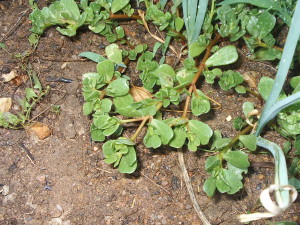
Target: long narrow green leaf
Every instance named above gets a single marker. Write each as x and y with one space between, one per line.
284 65
194 12
202 7
279 106
267 4
281 177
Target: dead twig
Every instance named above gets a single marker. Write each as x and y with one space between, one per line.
62 60
47 108
28 153
142 15
189 187
14 26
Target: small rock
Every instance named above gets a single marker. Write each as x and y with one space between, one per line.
5 104
228 118
41 179
5 190
41 130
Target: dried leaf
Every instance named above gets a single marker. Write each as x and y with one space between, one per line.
5 104
18 80
250 78
9 76
41 130
139 93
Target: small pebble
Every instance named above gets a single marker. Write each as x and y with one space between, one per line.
259 186
5 190
64 65
41 179
228 118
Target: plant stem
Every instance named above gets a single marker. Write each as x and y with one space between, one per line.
131 120
264 45
123 16
180 35
236 138
197 75
145 119
103 93
136 133
253 93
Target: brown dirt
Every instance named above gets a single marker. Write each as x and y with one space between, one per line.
70 184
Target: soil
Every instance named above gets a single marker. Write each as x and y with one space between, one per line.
68 182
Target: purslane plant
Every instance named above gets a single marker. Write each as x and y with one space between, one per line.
112 101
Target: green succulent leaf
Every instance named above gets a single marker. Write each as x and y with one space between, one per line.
118 87
179 137
225 56
106 69
88 108
198 134
264 54
238 159
92 56
121 153
230 79
247 108
200 104
158 133
210 186
118 5
259 27
166 74
249 141
265 87
114 53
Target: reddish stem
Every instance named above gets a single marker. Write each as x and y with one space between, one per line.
199 72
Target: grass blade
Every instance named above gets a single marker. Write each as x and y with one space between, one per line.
202 7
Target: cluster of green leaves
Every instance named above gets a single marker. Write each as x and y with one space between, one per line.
111 103
32 97
227 79
68 16
254 25
227 177
116 98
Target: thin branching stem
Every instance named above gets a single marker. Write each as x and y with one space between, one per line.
236 138
145 119
199 72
